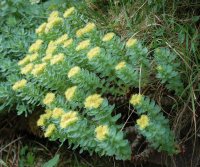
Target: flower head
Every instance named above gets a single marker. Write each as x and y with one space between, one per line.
43 118
35 46
19 84
101 132
73 71
40 30
24 61
143 121
57 58
50 129
67 43
61 39
53 22
93 101
57 113
33 57
93 52
49 98
53 15
69 93
47 58
38 69
136 99
68 118
108 37
131 42
88 28
83 45
121 65
51 48
68 12
27 68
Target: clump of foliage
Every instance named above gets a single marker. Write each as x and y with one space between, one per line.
72 68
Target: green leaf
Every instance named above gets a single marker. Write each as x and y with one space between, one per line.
52 162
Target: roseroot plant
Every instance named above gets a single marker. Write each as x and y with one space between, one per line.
167 70
71 69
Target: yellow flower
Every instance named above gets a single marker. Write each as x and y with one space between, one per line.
93 52
80 32
24 61
53 15
57 58
53 22
136 99
69 93
46 58
19 84
49 98
51 48
33 57
68 12
83 45
88 28
38 69
143 121
93 101
43 118
68 118
121 65
101 132
35 46
131 42
73 71
40 30
27 68
61 39
50 129
68 42
57 113
108 37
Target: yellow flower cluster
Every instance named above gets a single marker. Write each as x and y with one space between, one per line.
33 57
68 43
93 101
101 132
121 65
51 48
61 39
41 29
88 28
35 46
73 71
68 118
108 37
43 118
69 93
143 121
57 58
53 20
136 99
24 61
19 84
38 69
46 58
131 42
27 68
49 98
93 52
68 12
49 131
83 45
57 113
